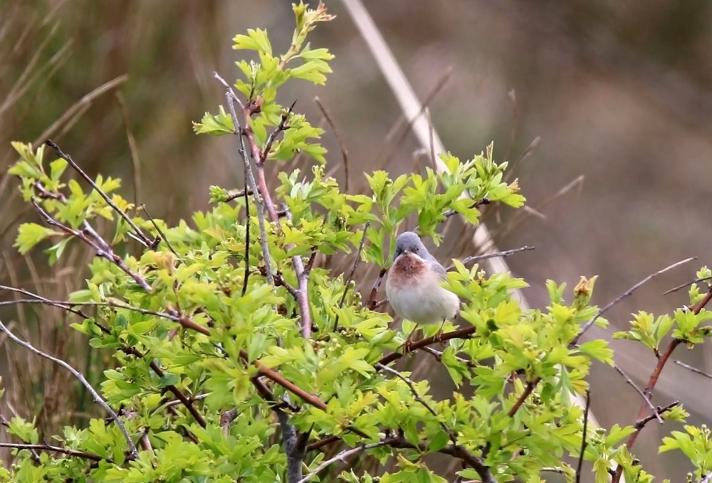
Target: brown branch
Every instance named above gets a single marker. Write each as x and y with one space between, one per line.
54 449
686 284
278 378
523 397
463 333
231 98
640 423
654 376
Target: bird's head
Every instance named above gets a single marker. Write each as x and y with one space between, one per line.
409 242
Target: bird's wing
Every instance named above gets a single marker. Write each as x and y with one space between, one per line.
439 269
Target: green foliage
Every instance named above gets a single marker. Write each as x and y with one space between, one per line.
696 444
178 325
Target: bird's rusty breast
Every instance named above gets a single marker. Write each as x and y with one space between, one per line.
407 268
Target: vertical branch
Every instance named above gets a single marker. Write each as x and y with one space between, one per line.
231 98
293 447
246 276
583 437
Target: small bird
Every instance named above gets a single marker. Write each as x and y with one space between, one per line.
414 285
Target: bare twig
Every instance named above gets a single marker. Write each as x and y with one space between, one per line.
339 141
583 437
686 284
159 231
646 399
133 148
693 369
246 275
350 277
640 423
147 242
53 449
371 304
133 452
504 253
625 294
342 456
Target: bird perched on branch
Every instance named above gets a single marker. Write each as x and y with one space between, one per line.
414 285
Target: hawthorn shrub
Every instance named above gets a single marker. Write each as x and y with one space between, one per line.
238 355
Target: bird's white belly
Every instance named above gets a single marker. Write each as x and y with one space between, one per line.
423 303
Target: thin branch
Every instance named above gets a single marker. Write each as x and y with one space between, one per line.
583 437
91 238
143 238
686 284
371 303
341 456
640 423
350 276
133 148
133 452
419 398
246 275
159 231
463 333
281 127
693 369
504 253
642 394
625 294
53 449
231 98
339 141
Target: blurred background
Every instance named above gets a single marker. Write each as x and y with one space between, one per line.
603 106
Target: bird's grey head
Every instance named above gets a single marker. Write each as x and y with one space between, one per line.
410 242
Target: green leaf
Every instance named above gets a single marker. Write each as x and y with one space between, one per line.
30 234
